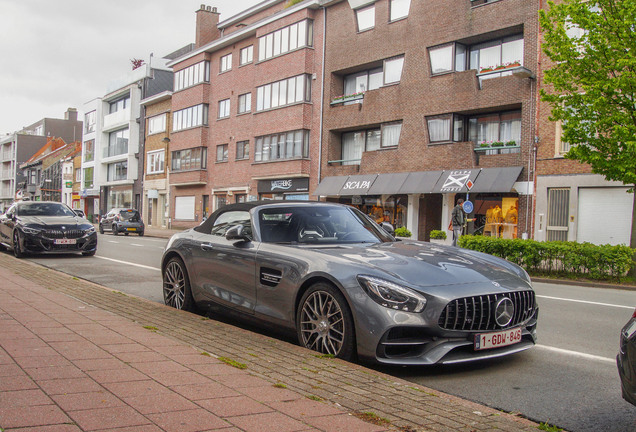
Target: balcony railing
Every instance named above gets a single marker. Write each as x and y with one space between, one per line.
345 162
348 99
498 147
118 149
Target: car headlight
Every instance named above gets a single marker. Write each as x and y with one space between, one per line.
29 230
391 295
90 230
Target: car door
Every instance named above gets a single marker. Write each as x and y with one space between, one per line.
224 270
6 225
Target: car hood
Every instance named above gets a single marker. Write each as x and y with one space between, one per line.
69 222
425 265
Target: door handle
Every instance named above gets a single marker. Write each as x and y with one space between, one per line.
207 246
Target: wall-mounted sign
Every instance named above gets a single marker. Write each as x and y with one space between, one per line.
284 185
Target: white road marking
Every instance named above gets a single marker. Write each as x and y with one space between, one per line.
577 354
112 241
586 302
135 244
129 263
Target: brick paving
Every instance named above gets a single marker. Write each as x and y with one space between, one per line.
76 356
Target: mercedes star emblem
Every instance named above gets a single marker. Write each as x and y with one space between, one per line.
504 311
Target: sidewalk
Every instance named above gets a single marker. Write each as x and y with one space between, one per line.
75 356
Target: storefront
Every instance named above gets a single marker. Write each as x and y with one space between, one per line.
284 189
89 202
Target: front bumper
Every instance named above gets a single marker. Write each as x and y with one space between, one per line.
37 243
123 227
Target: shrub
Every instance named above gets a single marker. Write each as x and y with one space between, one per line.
438 235
571 259
402 232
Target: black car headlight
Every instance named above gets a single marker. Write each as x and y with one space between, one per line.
391 295
89 231
29 230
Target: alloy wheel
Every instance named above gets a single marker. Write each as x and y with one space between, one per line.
174 285
322 326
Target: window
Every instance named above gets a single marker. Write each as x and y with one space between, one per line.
285 92
399 9
246 55
156 161
89 151
448 58
190 159
497 52
221 201
117 143
157 124
88 178
242 150
495 127
355 143
287 39
365 18
192 75
78 174
190 117
119 104
224 108
244 103
221 153
117 171
389 73
89 122
286 145
226 62
227 220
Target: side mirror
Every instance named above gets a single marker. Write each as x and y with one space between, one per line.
236 233
80 213
388 228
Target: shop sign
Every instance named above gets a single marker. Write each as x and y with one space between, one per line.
69 184
357 184
283 185
456 181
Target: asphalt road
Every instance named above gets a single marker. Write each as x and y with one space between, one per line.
569 379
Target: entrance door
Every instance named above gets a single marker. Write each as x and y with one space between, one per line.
150 211
430 217
558 214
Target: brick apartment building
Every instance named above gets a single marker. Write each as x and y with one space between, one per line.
423 101
246 109
571 201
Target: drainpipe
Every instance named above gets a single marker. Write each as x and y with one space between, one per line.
322 91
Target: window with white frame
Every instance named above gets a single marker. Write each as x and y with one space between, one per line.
504 127
447 58
224 108
399 9
192 75
117 143
357 142
222 153
389 73
244 103
365 18
189 159
117 171
242 150
156 162
78 174
284 92
157 124
89 151
226 62
297 35
246 55
190 117
89 122
286 145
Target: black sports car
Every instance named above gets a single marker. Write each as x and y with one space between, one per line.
46 227
348 288
626 360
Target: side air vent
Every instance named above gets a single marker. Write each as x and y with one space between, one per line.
270 277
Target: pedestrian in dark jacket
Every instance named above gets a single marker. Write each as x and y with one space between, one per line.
458 219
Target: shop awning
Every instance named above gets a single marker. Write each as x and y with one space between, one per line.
330 186
496 180
387 184
357 185
420 182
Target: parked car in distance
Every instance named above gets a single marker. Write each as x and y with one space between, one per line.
626 360
348 288
122 220
46 227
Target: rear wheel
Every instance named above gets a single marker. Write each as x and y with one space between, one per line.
176 285
141 234
324 322
17 249
101 229
126 233
114 229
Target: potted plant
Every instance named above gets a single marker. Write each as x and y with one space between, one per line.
511 143
403 232
485 69
438 236
497 144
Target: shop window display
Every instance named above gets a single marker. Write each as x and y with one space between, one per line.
496 216
385 208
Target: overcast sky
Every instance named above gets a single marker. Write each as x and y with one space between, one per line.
58 54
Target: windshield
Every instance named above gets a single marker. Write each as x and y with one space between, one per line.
44 209
319 225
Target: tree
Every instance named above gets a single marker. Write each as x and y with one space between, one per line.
593 47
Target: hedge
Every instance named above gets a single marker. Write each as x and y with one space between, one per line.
556 257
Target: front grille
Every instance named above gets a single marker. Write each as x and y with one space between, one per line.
477 313
59 234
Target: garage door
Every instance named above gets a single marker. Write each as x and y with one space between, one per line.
184 208
605 216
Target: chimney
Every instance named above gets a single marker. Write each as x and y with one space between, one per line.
207 21
71 114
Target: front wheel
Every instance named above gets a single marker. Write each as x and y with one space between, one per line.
17 249
113 228
176 285
324 322
101 229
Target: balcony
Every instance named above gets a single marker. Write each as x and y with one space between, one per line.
497 147
188 178
116 119
348 99
513 68
121 148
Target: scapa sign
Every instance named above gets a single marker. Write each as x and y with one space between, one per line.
456 181
360 184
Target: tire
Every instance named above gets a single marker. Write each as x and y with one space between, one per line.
89 253
17 251
126 233
141 234
324 322
113 228
176 285
101 229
